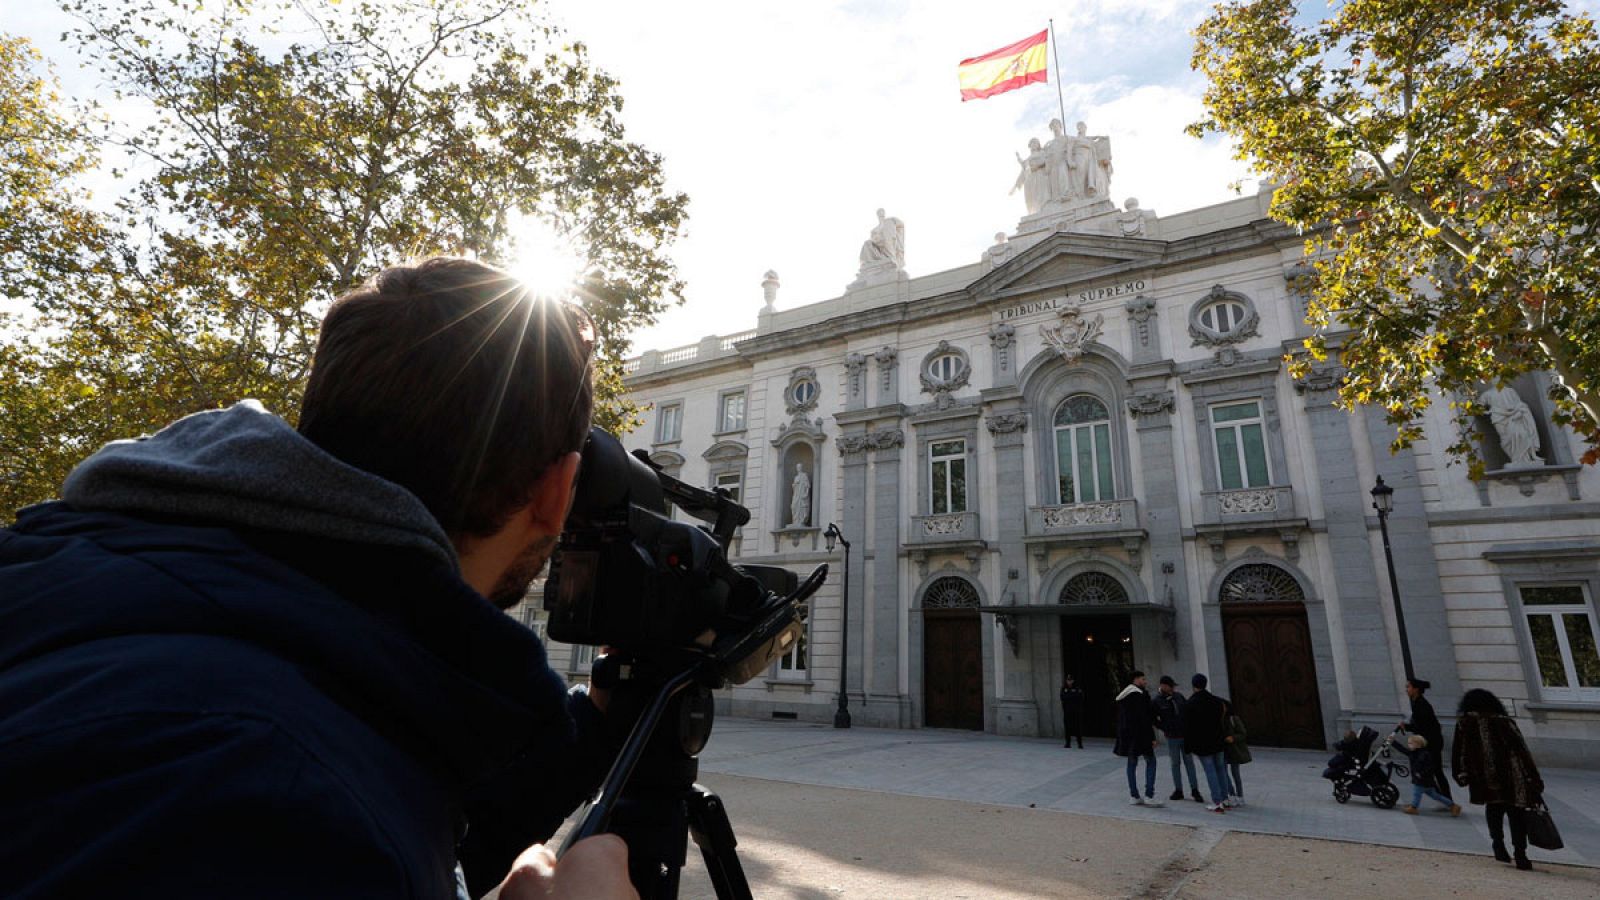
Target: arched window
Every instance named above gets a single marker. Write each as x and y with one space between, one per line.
1261 583
946 367
1083 451
950 592
1223 316
1093 589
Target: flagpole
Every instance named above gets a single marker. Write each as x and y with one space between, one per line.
1055 52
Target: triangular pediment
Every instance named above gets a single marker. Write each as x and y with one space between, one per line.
1065 259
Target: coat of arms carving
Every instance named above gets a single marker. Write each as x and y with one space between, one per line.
1072 333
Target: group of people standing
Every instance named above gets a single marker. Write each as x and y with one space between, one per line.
1201 726
1489 756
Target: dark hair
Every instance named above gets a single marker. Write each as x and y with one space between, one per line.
452 380
1481 702
1198 680
1167 679
1136 674
1421 685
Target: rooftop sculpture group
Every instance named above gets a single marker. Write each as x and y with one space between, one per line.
1070 170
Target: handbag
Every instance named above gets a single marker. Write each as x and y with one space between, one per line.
1542 832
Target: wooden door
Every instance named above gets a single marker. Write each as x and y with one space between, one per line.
1272 677
952 670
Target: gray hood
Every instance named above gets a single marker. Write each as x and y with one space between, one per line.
244 466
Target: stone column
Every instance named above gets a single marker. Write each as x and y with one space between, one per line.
1433 654
855 372
1346 503
853 455
886 705
1003 344
1152 411
888 387
1016 712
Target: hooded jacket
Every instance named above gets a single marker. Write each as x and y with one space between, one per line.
1136 732
231 664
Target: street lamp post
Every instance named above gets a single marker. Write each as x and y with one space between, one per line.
841 717
1383 502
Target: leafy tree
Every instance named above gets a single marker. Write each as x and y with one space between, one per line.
298 146
1443 157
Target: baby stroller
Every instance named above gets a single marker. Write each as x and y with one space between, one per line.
1362 769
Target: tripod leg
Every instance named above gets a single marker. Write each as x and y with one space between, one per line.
713 833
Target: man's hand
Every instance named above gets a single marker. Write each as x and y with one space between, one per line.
594 869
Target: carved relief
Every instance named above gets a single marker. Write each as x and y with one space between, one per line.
801 395
886 439
886 357
1001 336
944 371
1072 333
1140 310
1006 423
853 444
1321 378
950 524
1080 514
855 367
1152 403
1239 503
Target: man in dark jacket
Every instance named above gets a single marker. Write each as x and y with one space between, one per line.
1203 735
1168 706
1072 711
1136 739
1426 723
243 660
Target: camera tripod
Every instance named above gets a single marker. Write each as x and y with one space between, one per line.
650 798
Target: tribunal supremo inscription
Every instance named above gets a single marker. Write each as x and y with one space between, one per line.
1088 295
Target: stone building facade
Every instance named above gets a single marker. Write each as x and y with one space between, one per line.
1084 453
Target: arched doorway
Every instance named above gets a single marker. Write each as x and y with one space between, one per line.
952 655
1272 676
1097 645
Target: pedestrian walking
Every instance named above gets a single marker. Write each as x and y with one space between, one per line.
1072 711
1136 739
1491 760
1236 750
1424 722
1203 734
1422 773
1168 706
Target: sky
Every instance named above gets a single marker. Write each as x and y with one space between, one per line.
789 123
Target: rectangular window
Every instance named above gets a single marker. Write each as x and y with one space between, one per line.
669 423
732 482
794 664
1561 624
1241 444
1086 451
582 658
731 417
948 463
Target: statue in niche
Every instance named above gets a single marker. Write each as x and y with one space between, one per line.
1513 422
1034 179
800 498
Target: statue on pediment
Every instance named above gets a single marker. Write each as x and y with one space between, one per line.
883 253
1066 172
999 254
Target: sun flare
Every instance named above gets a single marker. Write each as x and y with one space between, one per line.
546 259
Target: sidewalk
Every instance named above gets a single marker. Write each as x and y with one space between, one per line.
1283 788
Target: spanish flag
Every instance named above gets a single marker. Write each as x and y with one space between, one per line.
1006 69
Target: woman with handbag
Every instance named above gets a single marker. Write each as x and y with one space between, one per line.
1492 761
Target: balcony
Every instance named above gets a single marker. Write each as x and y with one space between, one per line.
1107 522
1244 511
944 528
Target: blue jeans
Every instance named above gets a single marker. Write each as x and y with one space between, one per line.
1238 785
1149 774
1175 753
1216 769
1417 792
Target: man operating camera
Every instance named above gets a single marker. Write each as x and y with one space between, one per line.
240 659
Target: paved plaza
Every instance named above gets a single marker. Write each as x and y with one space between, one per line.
1284 792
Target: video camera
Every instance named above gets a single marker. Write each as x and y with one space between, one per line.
627 576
